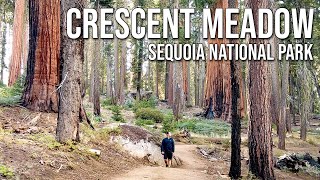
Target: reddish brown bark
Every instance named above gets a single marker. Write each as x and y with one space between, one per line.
259 135
17 45
44 54
218 84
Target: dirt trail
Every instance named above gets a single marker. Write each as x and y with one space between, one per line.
193 168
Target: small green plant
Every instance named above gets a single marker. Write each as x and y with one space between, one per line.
47 140
129 104
6 171
143 122
98 118
150 114
150 103
205 127
11 95
106 102
116 112
168 124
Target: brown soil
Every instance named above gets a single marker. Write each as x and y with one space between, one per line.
23 150
32 158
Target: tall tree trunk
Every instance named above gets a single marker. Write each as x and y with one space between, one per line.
116 68
283 107
305 101
235 167
3 52
169 83
96 78
178 83
157 79
260 139
186 81
218 84
25 38
139 67
123 73
275 94
44 54
70 103
96 71
15 63
109 89
196 84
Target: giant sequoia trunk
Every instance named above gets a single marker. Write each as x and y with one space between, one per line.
43 60
70 103
260 140
17 45
218 84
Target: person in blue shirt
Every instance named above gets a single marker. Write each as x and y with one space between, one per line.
167 149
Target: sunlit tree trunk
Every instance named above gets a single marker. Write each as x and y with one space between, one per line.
218 84
305 101
259 135
17 46
44 53
70 103
178 105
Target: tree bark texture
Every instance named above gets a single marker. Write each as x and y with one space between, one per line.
17 45
70 103
44 55
259 135
235 71
218 83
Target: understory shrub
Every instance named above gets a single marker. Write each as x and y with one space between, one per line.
106 102
116 112
149 103
168 124
11 95
150 114
205 127
143 122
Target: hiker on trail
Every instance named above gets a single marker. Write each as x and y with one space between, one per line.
167 149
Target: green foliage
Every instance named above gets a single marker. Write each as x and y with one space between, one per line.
150 103
99 135
98 118
167 124
117 116
150 114
11 95
205 127
106 102
6 171
47 140
143 122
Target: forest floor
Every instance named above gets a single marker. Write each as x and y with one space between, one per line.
28 150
